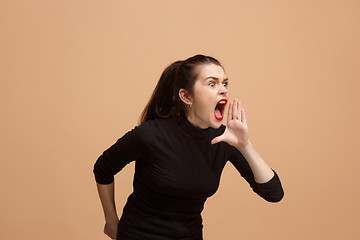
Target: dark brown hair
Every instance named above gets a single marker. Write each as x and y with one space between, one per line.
165 101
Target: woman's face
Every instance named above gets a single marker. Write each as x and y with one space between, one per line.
209 97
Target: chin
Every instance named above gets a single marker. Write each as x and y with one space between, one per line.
216 124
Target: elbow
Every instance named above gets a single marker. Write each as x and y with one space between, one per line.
102 174
272 191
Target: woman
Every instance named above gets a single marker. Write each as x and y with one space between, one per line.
180 149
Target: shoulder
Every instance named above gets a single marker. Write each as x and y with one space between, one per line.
158 133
157 124
156 127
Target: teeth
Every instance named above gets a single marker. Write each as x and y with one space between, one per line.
222 102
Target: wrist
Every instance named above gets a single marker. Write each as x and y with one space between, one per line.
113 219
244 146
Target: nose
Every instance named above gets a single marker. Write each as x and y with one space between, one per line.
223 91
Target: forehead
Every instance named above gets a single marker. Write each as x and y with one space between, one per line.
210 70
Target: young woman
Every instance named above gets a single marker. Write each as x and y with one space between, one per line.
180 149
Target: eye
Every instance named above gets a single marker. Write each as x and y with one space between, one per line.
225 84
212 84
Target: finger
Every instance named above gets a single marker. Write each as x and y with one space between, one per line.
239 110
235 110
243 116
230 112
218 139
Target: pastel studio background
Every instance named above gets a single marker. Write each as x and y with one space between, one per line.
75 75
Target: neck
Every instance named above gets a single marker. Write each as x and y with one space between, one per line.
195 121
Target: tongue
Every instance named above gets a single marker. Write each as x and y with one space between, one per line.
218 114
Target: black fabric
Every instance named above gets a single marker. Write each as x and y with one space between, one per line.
176 170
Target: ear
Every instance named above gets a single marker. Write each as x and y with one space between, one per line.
185 96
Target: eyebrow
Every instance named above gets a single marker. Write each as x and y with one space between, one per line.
216 79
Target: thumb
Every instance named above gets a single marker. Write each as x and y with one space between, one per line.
220 138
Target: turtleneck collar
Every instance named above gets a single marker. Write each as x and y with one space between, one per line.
191 130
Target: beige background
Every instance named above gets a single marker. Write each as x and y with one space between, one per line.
76 74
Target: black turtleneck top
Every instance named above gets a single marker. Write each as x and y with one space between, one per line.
176 170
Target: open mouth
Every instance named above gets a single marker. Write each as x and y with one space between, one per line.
220 109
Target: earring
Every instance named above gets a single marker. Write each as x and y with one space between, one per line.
190 105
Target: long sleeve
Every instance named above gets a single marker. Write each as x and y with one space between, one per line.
127 149
271 191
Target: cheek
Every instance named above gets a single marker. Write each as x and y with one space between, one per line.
203 108
203 100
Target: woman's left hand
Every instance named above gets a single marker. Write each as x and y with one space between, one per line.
236 132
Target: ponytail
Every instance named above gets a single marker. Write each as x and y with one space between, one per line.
163 101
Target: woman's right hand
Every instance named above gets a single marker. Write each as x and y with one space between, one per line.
110 228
